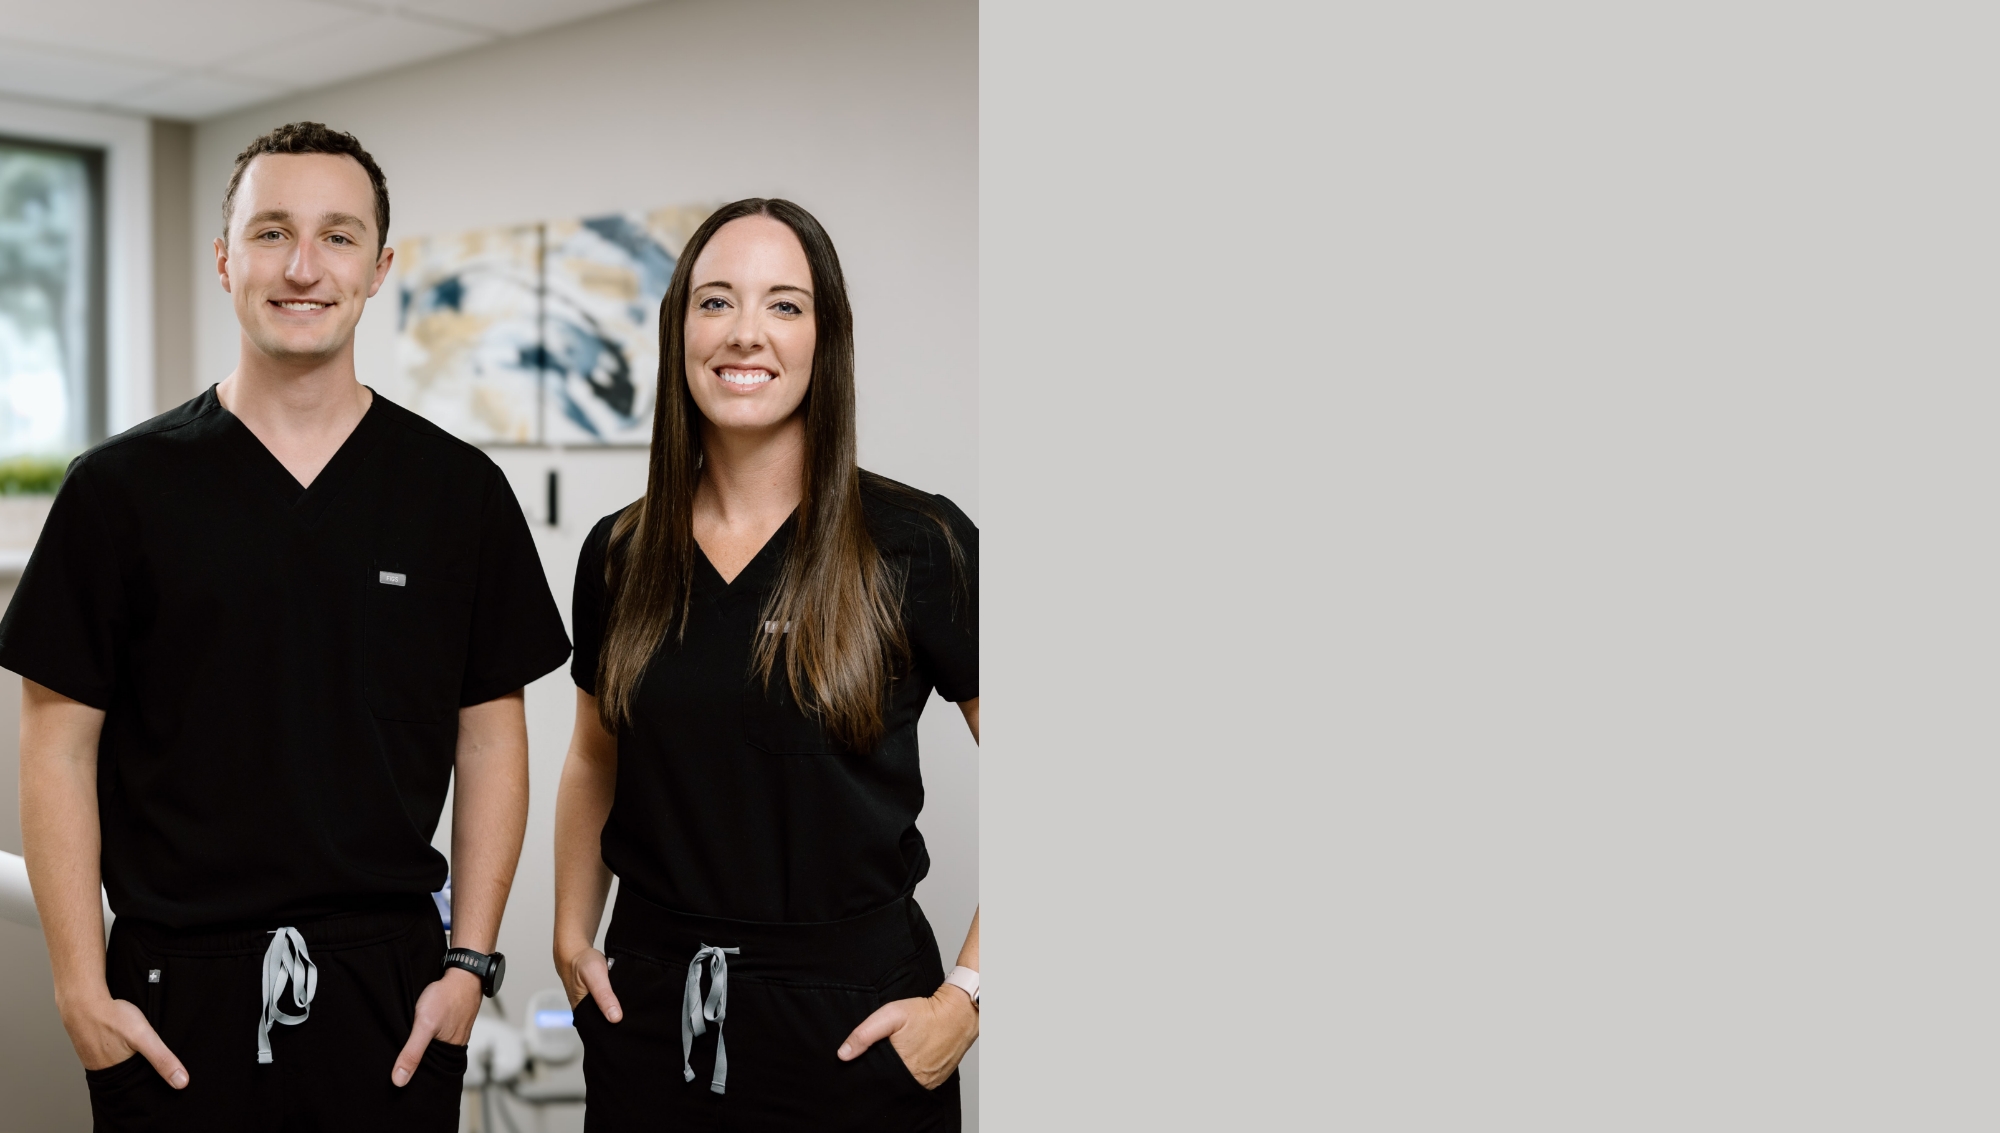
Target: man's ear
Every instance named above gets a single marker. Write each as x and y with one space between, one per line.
382 264
222 261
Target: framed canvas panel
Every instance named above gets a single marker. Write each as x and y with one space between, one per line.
604 278
540 333
469 335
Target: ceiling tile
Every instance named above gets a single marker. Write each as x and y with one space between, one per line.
513 17
373 43
181 35
193 97
45 73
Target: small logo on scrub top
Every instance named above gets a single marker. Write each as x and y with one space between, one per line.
391 578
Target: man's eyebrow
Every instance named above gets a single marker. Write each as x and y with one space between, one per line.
326 219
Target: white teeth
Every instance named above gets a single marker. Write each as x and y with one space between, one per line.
301 306
745 378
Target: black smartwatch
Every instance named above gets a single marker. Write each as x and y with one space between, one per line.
490 969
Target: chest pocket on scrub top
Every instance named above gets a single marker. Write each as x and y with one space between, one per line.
416 623
773 721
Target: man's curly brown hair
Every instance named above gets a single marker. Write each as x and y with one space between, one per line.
311 137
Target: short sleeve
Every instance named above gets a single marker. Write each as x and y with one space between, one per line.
517 632
589 605
63 628
943 603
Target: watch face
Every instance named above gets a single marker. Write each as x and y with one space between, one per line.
499 973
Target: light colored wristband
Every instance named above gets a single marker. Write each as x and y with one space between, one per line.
966 980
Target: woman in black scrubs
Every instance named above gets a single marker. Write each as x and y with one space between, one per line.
756 638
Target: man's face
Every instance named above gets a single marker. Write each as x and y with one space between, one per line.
302 254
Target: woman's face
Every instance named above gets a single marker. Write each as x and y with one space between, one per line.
750 325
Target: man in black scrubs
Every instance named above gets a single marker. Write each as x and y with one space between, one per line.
259 634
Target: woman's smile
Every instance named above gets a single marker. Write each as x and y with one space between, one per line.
744 376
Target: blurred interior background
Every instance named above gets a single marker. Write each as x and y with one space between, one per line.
543 156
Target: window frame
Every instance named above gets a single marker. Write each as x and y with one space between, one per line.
125 203
95 370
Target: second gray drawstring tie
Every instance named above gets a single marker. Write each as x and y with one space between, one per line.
696 1015
286 961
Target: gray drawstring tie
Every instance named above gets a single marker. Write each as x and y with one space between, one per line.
696 1015
286 959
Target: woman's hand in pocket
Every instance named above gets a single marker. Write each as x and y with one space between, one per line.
931 1034
587 973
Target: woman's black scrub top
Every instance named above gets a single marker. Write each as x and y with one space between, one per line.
732 802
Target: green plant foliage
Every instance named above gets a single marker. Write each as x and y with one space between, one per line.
31 475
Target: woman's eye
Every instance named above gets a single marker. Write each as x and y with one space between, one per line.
785 308
713 303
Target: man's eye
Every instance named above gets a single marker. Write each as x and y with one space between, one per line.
339 239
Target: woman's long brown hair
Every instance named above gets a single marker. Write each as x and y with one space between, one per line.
838 599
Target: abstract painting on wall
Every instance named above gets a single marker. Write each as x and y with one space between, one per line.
605 277
541 334
469 333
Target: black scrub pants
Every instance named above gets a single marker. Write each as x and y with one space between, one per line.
203 992
794 992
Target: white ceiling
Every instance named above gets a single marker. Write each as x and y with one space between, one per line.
194 59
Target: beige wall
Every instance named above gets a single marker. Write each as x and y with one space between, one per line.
173 247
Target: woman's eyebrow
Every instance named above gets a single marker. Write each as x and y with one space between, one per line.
773 290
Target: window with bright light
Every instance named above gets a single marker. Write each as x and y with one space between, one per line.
51 299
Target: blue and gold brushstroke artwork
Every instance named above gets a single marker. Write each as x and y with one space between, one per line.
544 333
604 277
469 333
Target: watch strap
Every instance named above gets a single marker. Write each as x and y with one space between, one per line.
966 980
478 963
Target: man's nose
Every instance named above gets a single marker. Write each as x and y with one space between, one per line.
303 267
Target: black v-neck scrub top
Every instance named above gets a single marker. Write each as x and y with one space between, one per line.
730 801
281 668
